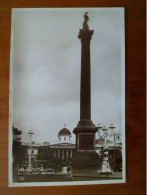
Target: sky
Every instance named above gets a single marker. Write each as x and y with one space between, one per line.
46 60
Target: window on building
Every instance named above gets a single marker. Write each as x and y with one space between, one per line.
69 138
64 138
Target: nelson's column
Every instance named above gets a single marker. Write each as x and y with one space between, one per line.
85 156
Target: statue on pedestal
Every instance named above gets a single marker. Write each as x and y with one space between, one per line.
86 20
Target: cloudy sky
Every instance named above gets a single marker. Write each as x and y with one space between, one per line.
46 55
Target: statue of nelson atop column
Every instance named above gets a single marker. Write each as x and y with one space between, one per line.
86 20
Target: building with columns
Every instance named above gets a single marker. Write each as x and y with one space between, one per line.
64 148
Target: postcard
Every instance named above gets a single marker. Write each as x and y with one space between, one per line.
67 97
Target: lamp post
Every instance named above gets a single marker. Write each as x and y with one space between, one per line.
112 127
105 169
112 132
99 127
30 136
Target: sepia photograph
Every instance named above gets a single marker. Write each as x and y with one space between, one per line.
67 97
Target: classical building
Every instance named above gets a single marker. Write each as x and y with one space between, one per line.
64 148
47 153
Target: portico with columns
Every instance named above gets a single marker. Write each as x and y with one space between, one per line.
64 148
64 152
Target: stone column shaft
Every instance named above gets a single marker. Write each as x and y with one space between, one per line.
58 153
54 153
62 152
85 93
71 154
66 154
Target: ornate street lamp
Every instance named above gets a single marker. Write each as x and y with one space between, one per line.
99 127
105 169
30 136
112 128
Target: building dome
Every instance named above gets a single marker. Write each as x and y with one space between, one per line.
64 131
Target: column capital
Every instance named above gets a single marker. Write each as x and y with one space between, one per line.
85 34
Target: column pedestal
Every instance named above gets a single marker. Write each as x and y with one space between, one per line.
85 156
